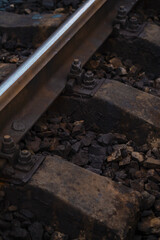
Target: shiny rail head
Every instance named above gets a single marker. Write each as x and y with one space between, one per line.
24 68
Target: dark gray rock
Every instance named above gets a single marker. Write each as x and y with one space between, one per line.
19 233
4 224
36 231
76 146
105 139
148 200
96 161
81 158
97 150
27 213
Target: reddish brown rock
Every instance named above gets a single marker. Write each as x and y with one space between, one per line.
152 163
150 225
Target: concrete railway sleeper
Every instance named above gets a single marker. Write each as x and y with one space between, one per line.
80 156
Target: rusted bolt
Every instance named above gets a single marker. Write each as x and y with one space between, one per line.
121 16
8 145
7 138
76 66
18 126
76 71
122 12
76 63
133 23
88 79
25 157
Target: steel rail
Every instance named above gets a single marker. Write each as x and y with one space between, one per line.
20 78
28 92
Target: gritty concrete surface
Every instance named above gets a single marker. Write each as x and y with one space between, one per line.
33 28
131 110
142 105
81 201
143 48
118 107
151 34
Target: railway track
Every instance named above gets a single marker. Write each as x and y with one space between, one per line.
103 116
60 45
37 83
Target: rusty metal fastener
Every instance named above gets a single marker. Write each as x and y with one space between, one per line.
121 16
133 23
122 12
76 66
88 80
25 157
18 126
76 71
8 145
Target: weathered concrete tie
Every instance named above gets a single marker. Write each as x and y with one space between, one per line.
84 203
